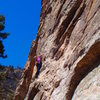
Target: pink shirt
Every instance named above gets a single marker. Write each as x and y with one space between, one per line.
38 59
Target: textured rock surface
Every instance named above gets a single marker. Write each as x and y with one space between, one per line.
69 40
89 88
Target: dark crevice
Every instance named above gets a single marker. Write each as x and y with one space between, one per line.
59 15
64 32
41 96
57 22
90 61
63 1
33 93
59 54
55 51
64 25
49 10
69 31
72 25
67 20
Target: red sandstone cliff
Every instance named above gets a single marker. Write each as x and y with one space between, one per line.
69 39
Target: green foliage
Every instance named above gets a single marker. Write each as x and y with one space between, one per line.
3 35
2 26
2 76
10 97
2 22
2 18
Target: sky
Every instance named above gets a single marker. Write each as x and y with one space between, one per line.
22 21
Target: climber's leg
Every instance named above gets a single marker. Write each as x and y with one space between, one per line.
37 73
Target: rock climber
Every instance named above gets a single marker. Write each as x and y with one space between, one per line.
38 63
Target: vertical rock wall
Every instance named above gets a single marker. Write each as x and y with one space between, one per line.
69 40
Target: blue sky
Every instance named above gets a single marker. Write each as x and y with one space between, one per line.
22 21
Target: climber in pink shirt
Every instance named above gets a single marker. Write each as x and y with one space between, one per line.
38 63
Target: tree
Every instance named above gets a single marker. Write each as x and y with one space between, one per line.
3 35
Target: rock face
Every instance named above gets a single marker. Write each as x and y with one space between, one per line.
89 88
9 78
69 40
